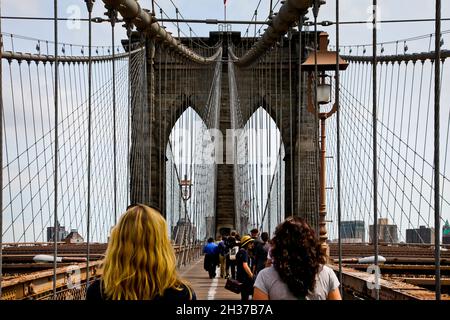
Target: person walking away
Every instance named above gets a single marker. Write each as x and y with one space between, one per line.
244 273
298 268
140 262
211 257
261 252
254 233
222 248
233 248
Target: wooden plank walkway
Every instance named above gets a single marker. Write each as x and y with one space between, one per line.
204 287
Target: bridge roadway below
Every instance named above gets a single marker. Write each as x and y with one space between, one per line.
204 287
408 272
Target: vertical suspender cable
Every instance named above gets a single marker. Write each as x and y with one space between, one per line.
192 142
150 98
256 19
178 26
253 141
283 205
338 147
255 169
113 14
55 173
277 106
159 146
142 102
374 144
261 128
1 155
316 123
269 140
250 154
437 96
89 4
260 136
128 26
249 167
291 137
300 52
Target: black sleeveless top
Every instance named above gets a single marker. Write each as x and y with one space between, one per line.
95 292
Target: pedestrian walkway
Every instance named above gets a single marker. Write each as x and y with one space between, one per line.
204 287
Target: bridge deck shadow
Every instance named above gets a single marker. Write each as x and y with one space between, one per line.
204 287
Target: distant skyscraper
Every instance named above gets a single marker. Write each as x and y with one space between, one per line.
446 233
61 233
352 231
421 235
387 233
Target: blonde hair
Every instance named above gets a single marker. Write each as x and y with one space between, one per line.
140 262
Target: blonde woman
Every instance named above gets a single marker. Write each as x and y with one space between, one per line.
140 261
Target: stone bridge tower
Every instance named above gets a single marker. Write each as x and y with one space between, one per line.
299 160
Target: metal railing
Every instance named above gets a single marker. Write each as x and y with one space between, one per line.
71 280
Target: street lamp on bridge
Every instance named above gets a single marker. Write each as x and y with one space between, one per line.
186 188
326 61
186 192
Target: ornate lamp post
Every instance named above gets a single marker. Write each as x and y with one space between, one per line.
186 188
186 192
326 61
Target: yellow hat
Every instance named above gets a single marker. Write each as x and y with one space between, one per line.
246 239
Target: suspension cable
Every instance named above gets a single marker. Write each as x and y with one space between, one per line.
128 28
437 97
281 124
338 148
1 156
291 135
159 143
374 145
113 17
316 124
55 173
299 107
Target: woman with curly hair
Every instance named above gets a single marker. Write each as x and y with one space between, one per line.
298 268
140 262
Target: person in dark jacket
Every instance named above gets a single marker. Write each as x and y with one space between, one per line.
261 251
211 257
244 272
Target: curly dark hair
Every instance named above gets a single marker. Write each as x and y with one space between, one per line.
296 255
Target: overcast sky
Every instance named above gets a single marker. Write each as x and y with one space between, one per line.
351 10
